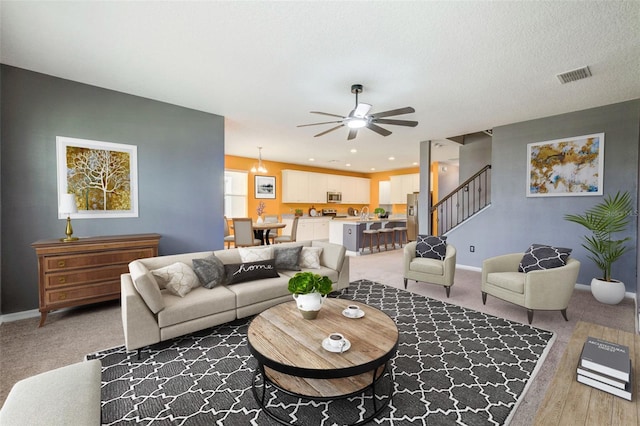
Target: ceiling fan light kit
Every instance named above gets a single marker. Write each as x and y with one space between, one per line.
359 117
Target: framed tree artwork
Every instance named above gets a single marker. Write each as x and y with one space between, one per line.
265 187
103 176
566 167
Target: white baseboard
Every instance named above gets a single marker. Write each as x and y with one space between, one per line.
19 316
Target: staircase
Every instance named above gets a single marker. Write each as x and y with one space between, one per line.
473 195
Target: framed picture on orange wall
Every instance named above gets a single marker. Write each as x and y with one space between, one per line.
265 187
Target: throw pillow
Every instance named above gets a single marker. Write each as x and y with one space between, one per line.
310 257
210 271
178 278
541 256
431 247
239 272
148 289
255 254
287 257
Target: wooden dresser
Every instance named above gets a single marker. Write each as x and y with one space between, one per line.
87 270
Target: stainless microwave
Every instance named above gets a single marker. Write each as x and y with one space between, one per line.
334 197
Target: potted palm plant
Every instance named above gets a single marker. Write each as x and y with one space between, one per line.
309 291
604 220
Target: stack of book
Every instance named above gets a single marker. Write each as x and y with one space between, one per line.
606 366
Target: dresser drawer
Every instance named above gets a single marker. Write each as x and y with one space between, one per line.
100 290
75 261
85 276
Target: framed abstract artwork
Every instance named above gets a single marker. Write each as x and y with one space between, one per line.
572 166
103 176
265 186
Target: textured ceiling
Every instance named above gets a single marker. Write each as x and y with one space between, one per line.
464 66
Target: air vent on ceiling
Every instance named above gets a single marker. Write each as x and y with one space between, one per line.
574 75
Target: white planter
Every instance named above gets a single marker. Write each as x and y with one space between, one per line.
309 304
609 292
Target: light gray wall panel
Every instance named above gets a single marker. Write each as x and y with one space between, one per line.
180 170
514 221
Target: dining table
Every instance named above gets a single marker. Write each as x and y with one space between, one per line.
261 230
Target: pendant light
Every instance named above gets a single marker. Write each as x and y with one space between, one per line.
260 168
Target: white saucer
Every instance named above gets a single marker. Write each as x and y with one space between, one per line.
360 314
328 347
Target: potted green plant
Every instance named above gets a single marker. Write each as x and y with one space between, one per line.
604 220
378 211
298 212
309 291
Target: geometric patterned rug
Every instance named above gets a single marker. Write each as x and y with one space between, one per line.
454 366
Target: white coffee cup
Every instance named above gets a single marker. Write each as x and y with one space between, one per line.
336 340
353 310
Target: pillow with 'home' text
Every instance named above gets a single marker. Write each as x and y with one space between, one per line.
431 247
240 272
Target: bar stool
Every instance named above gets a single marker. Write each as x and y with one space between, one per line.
370 233
402 234
384 232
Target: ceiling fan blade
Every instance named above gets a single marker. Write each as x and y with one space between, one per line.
399 111
352 134
378 129
396 122
361 110
327 131
326 113
315 124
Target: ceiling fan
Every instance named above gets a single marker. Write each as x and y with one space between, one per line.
359 117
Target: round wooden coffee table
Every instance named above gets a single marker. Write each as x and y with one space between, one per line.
290 355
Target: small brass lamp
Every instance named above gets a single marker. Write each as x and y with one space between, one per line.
68 206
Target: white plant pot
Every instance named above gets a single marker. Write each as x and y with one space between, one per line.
309 304
609 292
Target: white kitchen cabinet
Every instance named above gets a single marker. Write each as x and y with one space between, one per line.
295 186
317 187
356 190
334 183
384 192
313 229
401 185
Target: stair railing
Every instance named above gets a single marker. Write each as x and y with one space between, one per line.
467 199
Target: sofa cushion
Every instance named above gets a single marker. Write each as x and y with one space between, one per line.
228 256
210 271
255 254
252 292
426 265
239 272
178 278
310 257
323 271
432 247
332 255
200 302
540 256
512 281
287 257
148 289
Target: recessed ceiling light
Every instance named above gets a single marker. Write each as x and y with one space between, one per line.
348 164
392 158
312 159
415 163
373 168
353 150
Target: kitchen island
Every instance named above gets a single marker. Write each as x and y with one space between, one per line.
348 231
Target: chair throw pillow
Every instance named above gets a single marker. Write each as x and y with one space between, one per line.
255 254
250 271
210 271
431 247
287 258
540 256
178 278
310 257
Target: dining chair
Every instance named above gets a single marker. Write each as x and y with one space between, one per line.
228 238
272 218
243 232
291 237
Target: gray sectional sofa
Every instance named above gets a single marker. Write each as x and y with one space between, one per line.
151 314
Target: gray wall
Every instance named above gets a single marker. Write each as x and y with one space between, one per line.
180 171
514 221
474 154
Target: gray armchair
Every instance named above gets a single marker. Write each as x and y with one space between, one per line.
548 289
433 271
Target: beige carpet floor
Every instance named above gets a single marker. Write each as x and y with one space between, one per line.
68 336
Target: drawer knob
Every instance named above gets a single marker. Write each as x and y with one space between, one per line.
62 296
61 263
62 279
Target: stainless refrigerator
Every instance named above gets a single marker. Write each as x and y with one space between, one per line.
412 216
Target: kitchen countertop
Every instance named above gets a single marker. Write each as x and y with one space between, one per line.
371 220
